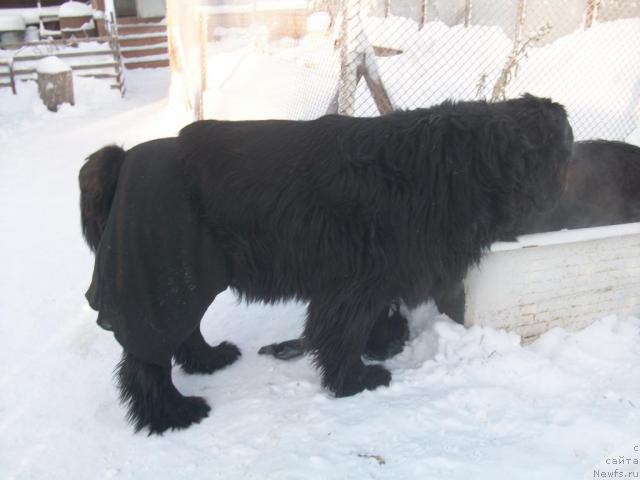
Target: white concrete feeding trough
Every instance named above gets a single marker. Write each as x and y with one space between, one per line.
560 279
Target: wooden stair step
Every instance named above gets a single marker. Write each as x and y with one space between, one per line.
140 41
134 20
147 64
145 51
124 30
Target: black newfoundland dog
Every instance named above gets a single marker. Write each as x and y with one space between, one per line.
603 188
347 214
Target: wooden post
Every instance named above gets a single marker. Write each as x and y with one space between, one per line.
348 59
202 40
171 46
55 83
424 11
12 74
376 87
467 12
387 8
592 13
357 60
114 44
520 19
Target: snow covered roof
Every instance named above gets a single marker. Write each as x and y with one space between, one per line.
11 23
30 15
75 9
52 65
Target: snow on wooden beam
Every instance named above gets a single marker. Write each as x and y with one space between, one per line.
561 279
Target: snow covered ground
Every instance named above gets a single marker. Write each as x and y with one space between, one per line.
462 404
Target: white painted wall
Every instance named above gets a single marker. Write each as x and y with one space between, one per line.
561 279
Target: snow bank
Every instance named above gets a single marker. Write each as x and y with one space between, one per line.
52 65
11 23
437 63
594 73
318 22
74 9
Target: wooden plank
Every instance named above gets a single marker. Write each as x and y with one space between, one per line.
60 42
98 75
86 66
83 53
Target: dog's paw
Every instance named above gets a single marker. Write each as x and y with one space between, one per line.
388 337
284 350
369 378
182 413
210 360
375 376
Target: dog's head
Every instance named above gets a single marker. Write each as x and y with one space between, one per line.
547 144
534 141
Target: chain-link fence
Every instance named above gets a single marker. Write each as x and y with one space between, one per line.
300 59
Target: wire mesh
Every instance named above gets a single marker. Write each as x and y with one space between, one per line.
300 59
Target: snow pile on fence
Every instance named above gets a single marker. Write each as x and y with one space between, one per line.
594 73
437 63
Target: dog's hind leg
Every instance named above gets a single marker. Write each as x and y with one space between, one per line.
336 332
388 335
195 355
151 398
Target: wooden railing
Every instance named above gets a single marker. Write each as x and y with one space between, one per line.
11 70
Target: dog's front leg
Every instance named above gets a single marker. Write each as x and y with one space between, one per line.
151 398
336 332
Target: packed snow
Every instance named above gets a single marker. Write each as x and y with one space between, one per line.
75 9
11 23
463 403
52 65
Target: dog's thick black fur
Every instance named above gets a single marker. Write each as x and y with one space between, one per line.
348 214
603 188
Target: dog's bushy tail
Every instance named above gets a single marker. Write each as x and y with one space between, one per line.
98 180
